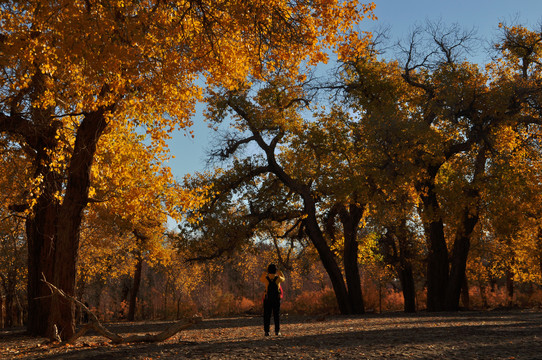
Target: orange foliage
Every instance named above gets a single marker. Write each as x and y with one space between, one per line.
312 303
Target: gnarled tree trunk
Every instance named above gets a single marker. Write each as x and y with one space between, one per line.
53 236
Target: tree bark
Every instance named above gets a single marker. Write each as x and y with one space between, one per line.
328 261
9 284
135 288
437 257
53 229
62 314
406 277
9 311
40 233
399 254
465 296
350 221
469 219
460 255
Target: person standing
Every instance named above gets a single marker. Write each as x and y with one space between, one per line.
271 301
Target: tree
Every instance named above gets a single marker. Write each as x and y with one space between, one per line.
487 108
464 109
432 125
75 70
286 187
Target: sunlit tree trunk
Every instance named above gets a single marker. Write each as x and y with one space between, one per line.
62 312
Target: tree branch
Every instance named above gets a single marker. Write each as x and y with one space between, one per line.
96 325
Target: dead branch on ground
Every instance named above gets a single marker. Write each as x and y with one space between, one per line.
96 325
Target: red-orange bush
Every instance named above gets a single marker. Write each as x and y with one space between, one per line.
381 298
313 303
488 298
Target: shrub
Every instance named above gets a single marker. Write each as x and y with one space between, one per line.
314 303
383 299
245 305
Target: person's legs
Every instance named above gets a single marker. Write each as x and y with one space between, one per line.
266 316
276 316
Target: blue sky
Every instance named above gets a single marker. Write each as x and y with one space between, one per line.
401 16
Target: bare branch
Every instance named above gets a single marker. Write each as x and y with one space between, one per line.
232 145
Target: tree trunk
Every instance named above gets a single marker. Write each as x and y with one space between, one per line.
9 310
465 297
178 315
62 314
40 233
482 288
396 246
312 227
460 255
437 267
350 220
10 283
539 248
166 292
406 277
510 287
405 262
135 288
81 288
469 219
437 257
328 261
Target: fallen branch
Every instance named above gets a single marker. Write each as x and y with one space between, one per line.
96 325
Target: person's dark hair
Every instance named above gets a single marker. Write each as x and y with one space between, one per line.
272 269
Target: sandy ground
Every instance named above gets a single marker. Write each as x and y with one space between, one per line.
465 335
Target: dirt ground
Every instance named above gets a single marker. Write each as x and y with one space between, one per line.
465 335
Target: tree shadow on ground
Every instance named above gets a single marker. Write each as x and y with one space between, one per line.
518 337
213 323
